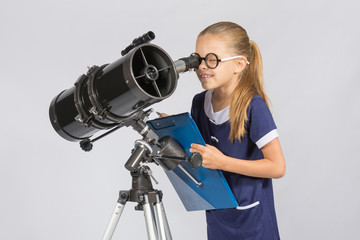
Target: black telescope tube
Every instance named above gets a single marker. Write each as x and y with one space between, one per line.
108 95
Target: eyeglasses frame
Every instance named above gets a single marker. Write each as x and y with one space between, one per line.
217 59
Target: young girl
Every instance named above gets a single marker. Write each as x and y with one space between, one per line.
242 141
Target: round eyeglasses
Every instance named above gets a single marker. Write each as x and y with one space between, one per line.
212 60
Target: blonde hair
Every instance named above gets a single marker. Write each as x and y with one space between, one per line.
251 79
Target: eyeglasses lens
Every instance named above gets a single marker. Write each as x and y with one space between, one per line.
211 60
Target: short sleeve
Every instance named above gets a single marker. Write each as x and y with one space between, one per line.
262 128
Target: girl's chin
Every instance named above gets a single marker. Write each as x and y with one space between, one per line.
206 86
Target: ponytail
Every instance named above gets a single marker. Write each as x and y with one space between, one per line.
251 83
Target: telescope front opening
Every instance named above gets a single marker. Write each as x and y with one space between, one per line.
152 72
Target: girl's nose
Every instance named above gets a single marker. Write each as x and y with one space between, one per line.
203 64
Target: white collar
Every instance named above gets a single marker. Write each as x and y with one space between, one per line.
215 117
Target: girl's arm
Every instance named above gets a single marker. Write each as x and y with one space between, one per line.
271 166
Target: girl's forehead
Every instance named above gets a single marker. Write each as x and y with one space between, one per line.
210 43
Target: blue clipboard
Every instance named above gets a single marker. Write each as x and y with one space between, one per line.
214 193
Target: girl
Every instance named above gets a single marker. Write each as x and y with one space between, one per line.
242 141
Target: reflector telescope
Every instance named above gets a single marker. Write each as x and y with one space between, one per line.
106 95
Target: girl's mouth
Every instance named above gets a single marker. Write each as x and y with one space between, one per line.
205 76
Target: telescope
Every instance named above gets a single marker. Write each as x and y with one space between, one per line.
114 95
110 95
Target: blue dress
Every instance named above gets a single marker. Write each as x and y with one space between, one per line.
255 216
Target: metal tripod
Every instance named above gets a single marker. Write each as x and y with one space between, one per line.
166 152
149 200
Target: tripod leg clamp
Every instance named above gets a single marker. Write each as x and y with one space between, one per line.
123 197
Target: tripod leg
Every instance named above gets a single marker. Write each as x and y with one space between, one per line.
149 219
116 216
113 221
162 223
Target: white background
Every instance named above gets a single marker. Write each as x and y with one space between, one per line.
51 189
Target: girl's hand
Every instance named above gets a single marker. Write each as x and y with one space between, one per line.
211 156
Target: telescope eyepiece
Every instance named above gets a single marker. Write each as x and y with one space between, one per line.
188 63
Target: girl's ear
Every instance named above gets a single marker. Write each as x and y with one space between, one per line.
240 64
